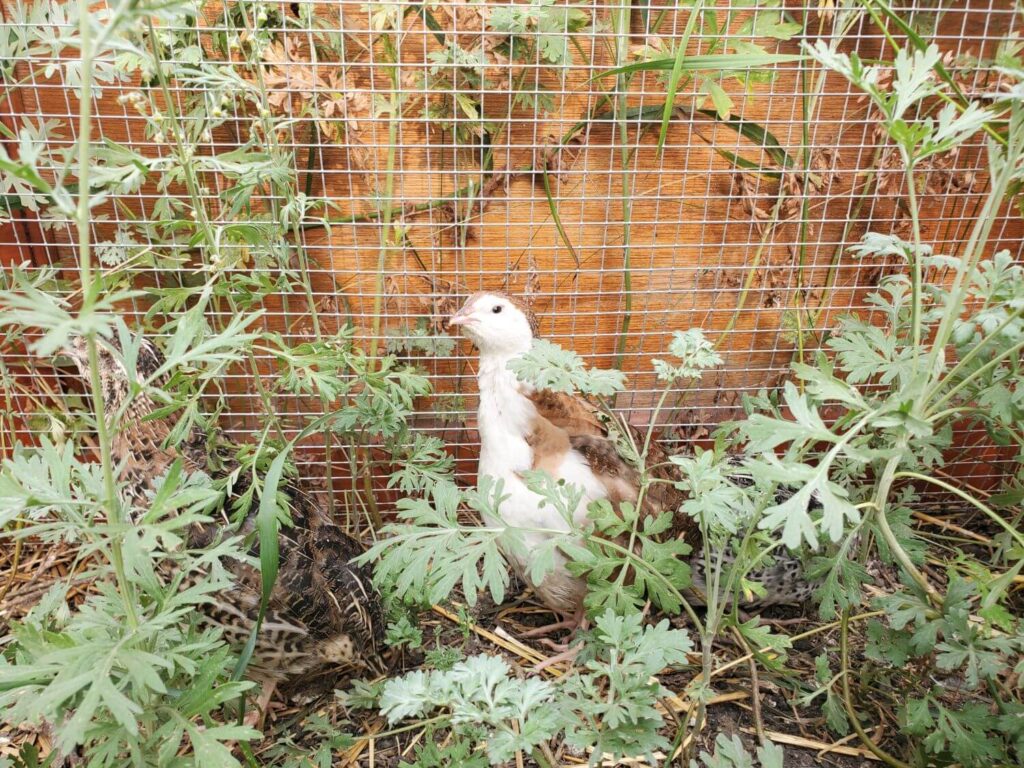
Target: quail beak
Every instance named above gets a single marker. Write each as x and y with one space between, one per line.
462 317
68 358
65 365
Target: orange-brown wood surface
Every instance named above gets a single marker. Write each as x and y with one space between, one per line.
697 255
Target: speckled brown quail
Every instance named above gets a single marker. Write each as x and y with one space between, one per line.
324 614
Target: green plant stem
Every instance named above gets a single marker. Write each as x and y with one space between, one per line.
751 273
994 362
809 110
916 276
809 104
641 452
976 243
975 351
430 205
986 415
988 511
539 758
755 693
837 254
270 138
315 316
202 220
488 162
14 562
8 384
741 573
654 420
112 504
264 113
620 23
882 26
880 507
794 638
307 285
642 455
844 660
389 183
637 563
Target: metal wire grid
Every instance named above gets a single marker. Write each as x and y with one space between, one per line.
696 247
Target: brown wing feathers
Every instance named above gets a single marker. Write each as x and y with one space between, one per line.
573 414
549 443
566 421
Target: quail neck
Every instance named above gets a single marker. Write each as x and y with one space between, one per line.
501 331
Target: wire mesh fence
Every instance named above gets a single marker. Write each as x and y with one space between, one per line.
398 156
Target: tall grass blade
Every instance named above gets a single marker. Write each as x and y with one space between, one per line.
553 207
677 72
266 527
753 132
706 62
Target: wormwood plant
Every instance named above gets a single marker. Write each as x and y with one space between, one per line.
122 671
898 391
608 705
432 551
127 673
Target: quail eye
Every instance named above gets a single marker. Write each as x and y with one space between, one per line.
496 309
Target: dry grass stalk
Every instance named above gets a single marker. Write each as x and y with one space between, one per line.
819 746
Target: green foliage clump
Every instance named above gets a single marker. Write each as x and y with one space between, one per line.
613 699
485 703
548 366
424 557
128 671
607 706
516 40
730 753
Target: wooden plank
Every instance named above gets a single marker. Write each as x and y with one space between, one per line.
696 255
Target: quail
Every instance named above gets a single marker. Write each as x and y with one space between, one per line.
324 615
523 428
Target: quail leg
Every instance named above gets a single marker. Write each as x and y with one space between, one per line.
570 623
255 718
567 650
569 654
